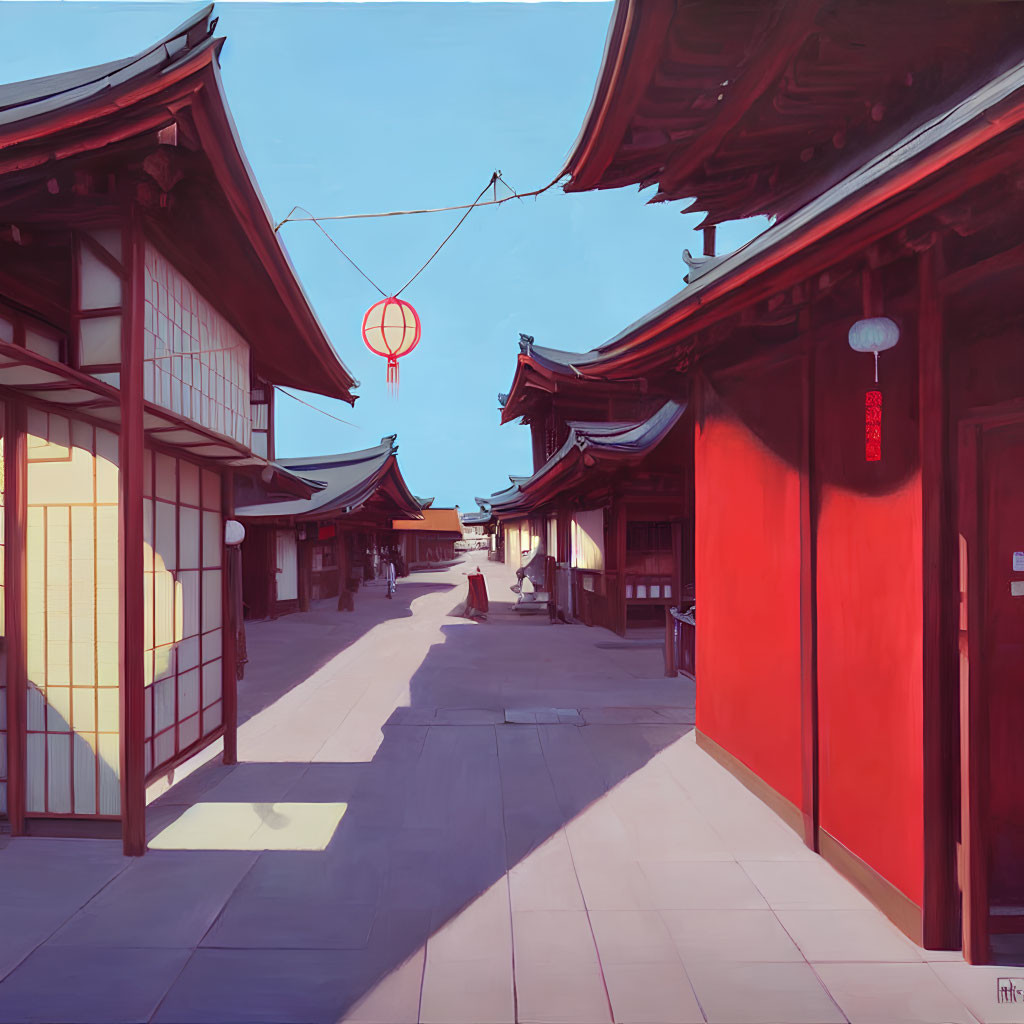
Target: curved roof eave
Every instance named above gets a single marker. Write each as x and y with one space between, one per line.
988 112
333 365
348 481
602 440
31 110
600 100
549 363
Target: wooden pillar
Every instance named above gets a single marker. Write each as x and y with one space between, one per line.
345 602
617 600
270 540
940 909
808 594
677 562
342 555
709 240
16 607
670 643
232 618
133 626
974 726
304 568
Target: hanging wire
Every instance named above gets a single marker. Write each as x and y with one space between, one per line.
515 194
469 208
322 412
409 213
327 235
494 182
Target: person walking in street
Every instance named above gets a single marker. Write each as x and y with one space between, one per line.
389 575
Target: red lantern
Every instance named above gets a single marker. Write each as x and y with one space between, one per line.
391 328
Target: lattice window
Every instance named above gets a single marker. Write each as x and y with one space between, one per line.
196 363
184 530
73 629
261 397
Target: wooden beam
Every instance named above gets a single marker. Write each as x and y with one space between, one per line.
974 766
877 212
15 289
809 806
133 624
774 53
634 46
940 905
973 273
232 619
15 605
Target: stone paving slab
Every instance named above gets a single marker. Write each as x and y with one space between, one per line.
511 843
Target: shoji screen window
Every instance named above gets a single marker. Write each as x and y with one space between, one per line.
184 531
196 363
262 398
19 329
99 298
73 586
588 539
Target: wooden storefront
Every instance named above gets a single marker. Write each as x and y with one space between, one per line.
305 549
128 362
866 681
611 509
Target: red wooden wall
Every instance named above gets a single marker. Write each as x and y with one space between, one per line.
747 575
869 611
866 539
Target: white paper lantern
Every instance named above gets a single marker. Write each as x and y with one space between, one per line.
875 334
234 532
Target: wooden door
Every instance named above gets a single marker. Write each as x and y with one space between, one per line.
992 680
287 566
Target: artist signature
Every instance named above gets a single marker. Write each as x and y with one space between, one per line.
1010 990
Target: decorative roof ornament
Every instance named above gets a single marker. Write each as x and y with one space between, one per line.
698 266
525 343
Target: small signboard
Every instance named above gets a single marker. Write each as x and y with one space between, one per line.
1018 561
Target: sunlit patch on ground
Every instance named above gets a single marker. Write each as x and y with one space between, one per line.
252 826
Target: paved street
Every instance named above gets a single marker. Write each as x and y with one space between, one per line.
444 821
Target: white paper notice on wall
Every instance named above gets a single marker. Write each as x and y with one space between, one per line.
1018 561
1016 588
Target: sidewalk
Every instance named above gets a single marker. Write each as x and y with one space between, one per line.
444 821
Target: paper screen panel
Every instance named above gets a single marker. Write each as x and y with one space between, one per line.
588 539
196 363
183 606
73 587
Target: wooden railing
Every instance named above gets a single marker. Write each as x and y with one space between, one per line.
680 642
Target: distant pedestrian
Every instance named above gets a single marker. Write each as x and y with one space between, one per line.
389 576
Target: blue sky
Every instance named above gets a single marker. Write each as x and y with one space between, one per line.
358 108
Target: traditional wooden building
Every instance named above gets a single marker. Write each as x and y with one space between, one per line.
146 311
609 500
859 558
429 540
300 549
478 529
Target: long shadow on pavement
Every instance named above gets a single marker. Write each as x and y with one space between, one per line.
451 800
